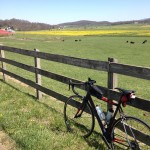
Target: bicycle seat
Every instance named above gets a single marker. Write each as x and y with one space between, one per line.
126 92
127 96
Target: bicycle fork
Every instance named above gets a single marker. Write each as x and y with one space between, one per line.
81 108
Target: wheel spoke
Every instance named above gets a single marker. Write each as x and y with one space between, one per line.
131 133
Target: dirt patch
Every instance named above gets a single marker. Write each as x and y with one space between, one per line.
15 80
1 147
6 143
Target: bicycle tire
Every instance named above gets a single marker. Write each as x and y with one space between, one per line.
83 125
132 133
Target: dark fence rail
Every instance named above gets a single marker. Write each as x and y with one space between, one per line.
134 71
91 64
109 66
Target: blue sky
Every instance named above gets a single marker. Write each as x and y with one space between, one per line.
60 11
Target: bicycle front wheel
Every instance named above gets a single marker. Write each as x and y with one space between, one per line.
130 133
82 125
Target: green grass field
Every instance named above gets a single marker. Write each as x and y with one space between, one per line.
36 125
90 47
27 124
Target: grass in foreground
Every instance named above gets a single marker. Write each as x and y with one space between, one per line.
37 125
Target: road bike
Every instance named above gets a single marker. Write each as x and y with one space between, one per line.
123 132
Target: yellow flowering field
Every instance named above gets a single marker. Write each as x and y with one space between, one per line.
90 32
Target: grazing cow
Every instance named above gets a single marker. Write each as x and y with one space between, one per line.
79 39
76 40
63 40
126 41
132 42
144 41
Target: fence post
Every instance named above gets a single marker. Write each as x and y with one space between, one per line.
37 76
2 55
112 78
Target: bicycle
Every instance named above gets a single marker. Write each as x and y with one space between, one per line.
126 132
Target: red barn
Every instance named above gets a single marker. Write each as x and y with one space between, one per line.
4 32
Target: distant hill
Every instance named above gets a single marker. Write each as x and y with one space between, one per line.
23 25
142 21
85 23
103 23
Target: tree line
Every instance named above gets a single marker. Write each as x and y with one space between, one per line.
23 25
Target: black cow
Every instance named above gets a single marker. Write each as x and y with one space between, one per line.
144 41
132 42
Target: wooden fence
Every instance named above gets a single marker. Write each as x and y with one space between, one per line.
111 66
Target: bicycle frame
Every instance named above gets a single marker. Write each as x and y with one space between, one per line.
105 131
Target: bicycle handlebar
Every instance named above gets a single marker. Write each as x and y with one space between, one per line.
72 84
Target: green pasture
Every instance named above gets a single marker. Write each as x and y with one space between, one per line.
89 47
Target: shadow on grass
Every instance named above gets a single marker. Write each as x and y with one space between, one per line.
32 96
93 141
